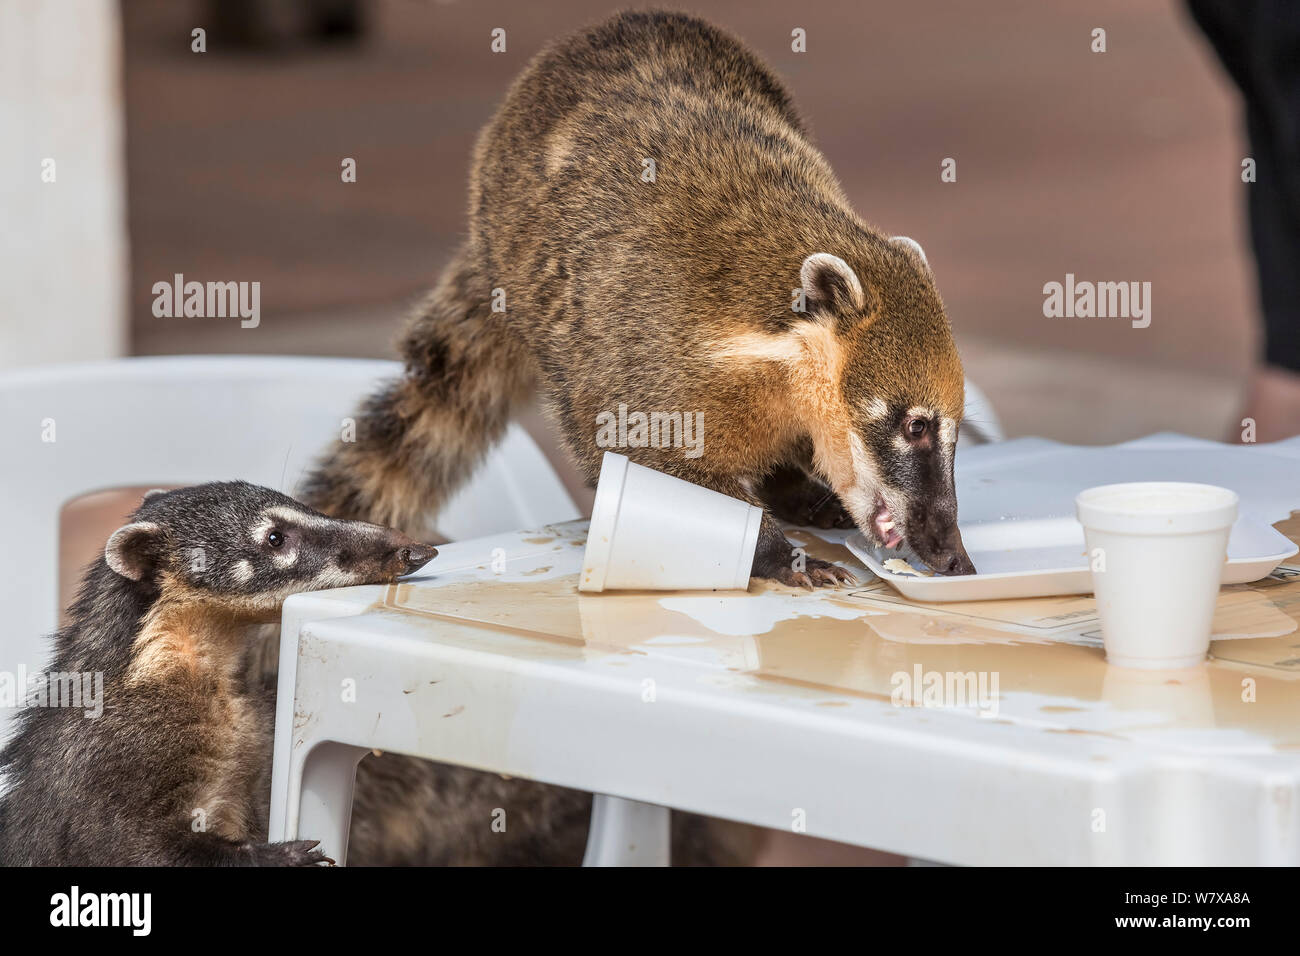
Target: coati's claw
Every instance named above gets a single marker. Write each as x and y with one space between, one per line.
831 575
817 573
794 579
290 853
309 854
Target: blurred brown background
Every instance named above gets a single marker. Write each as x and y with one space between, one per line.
1123 165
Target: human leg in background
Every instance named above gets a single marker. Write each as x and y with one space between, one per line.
1258 42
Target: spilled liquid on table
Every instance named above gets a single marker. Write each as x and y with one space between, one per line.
1252 683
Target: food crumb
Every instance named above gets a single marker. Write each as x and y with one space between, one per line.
899 566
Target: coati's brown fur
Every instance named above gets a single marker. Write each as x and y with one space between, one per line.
673 294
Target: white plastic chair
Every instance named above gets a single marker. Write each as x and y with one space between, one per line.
982 426
72 429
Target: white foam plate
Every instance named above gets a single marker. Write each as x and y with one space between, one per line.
1041 557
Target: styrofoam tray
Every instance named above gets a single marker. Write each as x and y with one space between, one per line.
1017 511
1037 558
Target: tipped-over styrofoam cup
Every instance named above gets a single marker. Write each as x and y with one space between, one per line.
656 532
1157 550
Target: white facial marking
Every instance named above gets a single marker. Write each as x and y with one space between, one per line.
947 440
860 498
876 409
242 571
293 516
756 347
332 576
863 470
284 557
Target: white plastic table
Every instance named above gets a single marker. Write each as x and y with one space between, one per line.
981 733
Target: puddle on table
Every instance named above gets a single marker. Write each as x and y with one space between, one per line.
815 546
853 642
860 656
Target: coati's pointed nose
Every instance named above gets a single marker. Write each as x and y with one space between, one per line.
413 556
938 542
955 562
951 557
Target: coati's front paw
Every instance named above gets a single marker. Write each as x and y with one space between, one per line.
777 559
291 853
816 573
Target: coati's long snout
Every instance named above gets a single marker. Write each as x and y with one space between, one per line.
382 554
926 522
934 536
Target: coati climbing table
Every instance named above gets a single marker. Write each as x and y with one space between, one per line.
990 732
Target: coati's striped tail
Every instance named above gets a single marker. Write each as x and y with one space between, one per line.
419 437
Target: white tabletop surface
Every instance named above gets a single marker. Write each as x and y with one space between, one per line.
788 708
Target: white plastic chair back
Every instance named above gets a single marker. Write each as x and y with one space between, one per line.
68 430
982 426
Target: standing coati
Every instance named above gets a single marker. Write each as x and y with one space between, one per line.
584 281
650 227
176 768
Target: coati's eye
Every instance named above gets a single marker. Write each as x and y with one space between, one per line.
915 427
275 539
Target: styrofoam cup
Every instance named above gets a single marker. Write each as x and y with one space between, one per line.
655 532
1157 550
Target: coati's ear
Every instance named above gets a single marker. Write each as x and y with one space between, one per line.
132 550
830 283
153 493
913 245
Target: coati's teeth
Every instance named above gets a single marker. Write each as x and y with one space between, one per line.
887 528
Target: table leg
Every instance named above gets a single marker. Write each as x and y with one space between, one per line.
627 833
318 797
